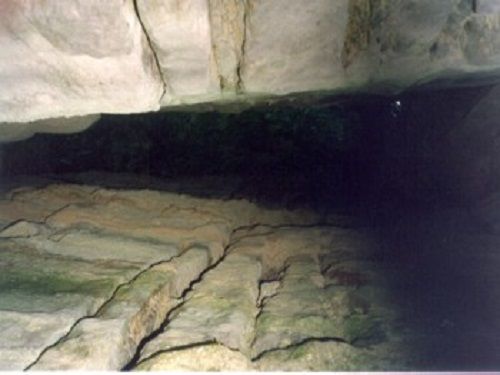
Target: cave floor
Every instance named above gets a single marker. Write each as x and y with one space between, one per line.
95 278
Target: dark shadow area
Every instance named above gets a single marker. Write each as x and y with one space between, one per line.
383 160
359 153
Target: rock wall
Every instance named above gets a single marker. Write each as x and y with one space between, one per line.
74 58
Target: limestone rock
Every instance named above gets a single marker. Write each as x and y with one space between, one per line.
73 59
50 293
86 264
89 57
334 356
210 357
134 312
299 311
294 46
222 308
20 229
416 41
206 283
180 34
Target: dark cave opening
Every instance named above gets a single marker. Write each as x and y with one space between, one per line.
388 161
366 153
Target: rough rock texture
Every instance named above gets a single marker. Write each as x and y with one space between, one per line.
206 357
95 279
74 58
103 279
216 310
341 309
80 265
179 32
85 57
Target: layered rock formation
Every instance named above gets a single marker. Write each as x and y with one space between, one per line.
85 57
97 279
102 279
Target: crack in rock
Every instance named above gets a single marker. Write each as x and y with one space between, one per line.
137 360
153 51
170 350
228 37
298 344
239 67
97 312
225 297
273 286
209 355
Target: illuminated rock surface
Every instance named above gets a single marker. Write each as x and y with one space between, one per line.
102 279
82 58
88 273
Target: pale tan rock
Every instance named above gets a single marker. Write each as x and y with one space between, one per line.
294 46
50 293
103 269
88 57
74 58
222 308
180 34
108 340
20 229
228 34
201 358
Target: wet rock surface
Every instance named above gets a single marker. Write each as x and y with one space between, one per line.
106 279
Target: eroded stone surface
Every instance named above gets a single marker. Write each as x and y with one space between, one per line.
222 308
211 357
135 311
86 264
100 279
49 293
89 57
73 59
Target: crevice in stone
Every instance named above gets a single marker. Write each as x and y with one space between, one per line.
183 298
261 300
239 67
274 227
13 224
54 213
213 47
299 343
319 224
153 51
99 310
279 226
174 349
185 347
135 360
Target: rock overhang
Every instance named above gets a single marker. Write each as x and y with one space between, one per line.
82 58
